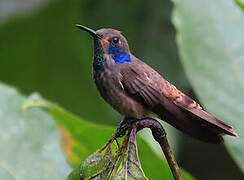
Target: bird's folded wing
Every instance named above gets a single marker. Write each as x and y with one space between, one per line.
154 91
185 102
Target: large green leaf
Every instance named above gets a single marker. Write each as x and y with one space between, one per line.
29 141
81 138
211 43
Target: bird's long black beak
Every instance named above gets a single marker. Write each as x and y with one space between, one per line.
90 31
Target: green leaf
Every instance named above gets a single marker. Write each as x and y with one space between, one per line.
240 3
131 168
112 162
29 141
211 43
82 138
99 165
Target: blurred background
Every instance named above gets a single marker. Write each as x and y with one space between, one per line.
42 51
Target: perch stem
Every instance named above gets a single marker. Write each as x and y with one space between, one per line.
160 136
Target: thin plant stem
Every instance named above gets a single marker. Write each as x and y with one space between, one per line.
160 136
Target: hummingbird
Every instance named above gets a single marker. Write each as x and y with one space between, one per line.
137 91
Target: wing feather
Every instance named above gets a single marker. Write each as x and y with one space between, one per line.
173 106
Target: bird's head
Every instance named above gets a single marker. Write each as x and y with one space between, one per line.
110 42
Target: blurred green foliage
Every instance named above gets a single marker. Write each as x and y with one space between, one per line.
43 51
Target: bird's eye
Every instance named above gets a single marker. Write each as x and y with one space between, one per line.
115 40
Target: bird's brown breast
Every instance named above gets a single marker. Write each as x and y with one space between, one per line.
108 83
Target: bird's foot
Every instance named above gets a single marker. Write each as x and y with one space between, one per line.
124 125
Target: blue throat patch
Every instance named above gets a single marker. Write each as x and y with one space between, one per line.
119 57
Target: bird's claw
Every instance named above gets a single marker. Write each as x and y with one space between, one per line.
124 125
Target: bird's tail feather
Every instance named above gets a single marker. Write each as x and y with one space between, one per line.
202 125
